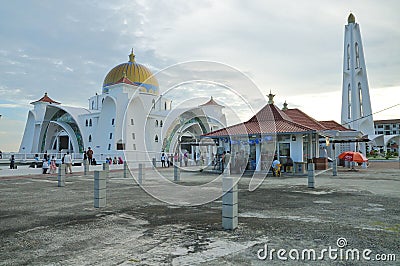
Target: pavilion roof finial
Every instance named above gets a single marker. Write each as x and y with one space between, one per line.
270 97
285 105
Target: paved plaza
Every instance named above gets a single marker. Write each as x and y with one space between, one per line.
43 224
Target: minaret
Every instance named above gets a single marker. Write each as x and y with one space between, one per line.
356 103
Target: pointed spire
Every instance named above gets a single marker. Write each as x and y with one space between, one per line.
285 106
351 18
132 57
270 98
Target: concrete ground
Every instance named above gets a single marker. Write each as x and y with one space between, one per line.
43 224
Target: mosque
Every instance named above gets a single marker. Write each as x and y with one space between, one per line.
129 115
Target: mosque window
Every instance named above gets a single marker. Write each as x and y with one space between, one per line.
90 122
357 56
349 102
133 136
109 146
132 122
156 123
165 105
348 57
153 104
112 121
110 135
361 99
90 138
156 139
161 123
120 145
134 147
87 122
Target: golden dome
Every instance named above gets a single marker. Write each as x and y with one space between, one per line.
351 18
132 73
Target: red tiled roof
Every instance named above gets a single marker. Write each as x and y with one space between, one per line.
211 102
269 120
388 121
46 99
302 118
334 125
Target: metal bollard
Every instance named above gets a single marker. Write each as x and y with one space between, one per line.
85 167
311 175
61 175
334 167
177 173
140 174
100 189
229 204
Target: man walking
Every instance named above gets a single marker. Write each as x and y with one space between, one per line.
68 163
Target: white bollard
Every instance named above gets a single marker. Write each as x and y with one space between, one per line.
227 169
334 167
311 175
177 173
85 167
229 203
126 170
61 175
140 174
100 189
106 169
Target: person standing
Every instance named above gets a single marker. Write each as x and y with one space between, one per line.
45 164
12 162
163 160
68 162
89 154
53 165
276 164
186 158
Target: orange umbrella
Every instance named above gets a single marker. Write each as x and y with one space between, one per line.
353 156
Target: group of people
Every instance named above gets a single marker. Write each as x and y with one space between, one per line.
166 160
115 160
276 165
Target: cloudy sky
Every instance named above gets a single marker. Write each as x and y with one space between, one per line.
294 48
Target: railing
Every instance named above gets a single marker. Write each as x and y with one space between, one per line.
30 157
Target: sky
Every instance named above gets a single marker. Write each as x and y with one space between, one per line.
293 48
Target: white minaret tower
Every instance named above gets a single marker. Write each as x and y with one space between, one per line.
356 103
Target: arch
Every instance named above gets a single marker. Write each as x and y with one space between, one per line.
90 122
165 105
349 101
111 135
348 56
357 55
361 99
112 121
161 123
90 138
156 123
86 123
156 138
